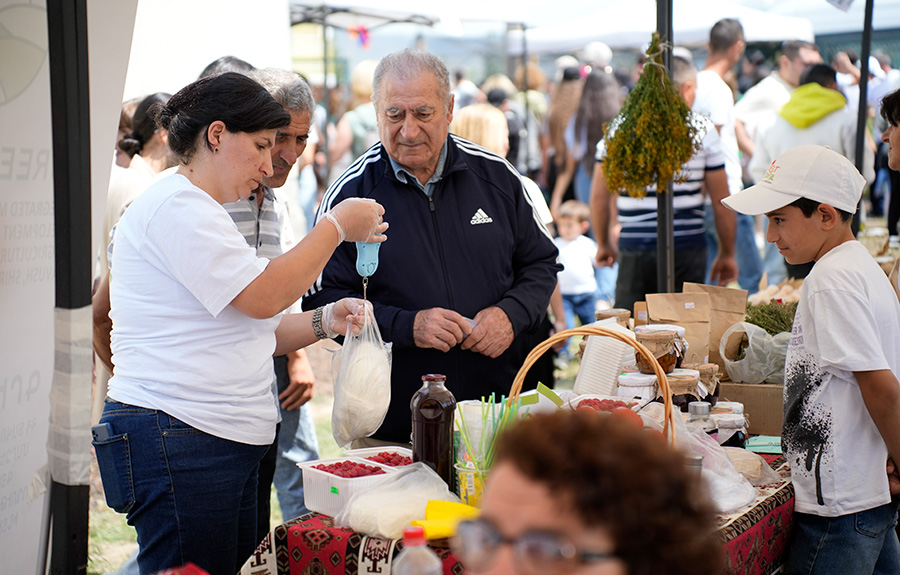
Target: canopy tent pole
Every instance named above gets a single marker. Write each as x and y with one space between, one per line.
665 229
862 112
525 91
70 111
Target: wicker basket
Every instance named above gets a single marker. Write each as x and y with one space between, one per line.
539 350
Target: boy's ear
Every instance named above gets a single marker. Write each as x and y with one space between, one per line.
585 225
829 216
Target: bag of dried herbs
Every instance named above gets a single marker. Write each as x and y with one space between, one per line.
653 135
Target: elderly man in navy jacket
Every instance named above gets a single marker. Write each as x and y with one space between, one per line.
465 243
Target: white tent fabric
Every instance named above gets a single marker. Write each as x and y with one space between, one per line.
828 19
365 13
630 24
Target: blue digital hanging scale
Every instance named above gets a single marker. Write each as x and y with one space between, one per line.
366 258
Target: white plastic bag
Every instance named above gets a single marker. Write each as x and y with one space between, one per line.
763 360
727 488
362 385
385 509
752 466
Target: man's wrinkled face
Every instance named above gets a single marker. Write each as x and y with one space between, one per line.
413 122
290 142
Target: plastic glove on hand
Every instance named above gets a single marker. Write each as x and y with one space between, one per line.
358 220
346 313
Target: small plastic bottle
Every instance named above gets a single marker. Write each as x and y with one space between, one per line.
416 558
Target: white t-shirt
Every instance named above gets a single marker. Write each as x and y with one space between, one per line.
577 258
757 109
178 346
715 100
848 319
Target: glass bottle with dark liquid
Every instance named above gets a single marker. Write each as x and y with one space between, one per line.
433 408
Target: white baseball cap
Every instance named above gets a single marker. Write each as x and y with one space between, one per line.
814 172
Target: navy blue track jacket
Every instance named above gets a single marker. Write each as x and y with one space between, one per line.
477 242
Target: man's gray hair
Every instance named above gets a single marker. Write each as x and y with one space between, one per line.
288 89
409 65
683 70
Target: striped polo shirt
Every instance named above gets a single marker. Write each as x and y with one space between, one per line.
258 224
637 216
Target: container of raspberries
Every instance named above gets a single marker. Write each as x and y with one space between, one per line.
392 456
329 483
604 403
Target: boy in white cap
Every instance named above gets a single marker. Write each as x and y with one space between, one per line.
841 393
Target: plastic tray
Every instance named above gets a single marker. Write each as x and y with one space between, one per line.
327 493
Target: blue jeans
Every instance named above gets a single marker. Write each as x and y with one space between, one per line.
859 543
581 305
297 442
750 266
190 496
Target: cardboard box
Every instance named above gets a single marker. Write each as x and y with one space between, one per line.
763 404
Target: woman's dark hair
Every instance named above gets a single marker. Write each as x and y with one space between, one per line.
890 108
601 100
809 207
239 102
143 123
623 480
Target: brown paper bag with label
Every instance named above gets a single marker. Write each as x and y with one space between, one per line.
727 307
640 313
690 311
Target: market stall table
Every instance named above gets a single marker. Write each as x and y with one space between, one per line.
755 540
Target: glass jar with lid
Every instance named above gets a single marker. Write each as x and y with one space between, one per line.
700 417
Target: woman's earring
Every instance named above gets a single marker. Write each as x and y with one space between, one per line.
216 150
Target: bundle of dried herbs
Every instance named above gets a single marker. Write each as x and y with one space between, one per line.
774 317
653 135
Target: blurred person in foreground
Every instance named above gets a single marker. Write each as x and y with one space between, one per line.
196 319
574 492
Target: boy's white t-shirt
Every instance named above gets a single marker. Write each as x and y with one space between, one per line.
178 345
577 258
848 319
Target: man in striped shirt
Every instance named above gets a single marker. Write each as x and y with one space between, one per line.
635 247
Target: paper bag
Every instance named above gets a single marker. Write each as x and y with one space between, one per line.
690 311
727 307
640 313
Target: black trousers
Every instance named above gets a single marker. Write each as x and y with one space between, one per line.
638 277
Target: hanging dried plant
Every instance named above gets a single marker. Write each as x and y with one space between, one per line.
653 135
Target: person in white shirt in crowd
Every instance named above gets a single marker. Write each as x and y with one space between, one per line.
756 111
715 100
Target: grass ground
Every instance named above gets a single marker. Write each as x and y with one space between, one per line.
111 540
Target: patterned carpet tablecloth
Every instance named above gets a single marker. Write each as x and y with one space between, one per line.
755 540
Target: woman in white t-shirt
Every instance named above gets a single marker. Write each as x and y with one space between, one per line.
196 319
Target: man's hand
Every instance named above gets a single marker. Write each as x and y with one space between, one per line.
893 474
493 334
607 255
439 328
302 381
724 270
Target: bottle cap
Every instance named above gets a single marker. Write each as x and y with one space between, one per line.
699 408
414 536
434 378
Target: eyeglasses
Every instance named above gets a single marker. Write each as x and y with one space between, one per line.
476 544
